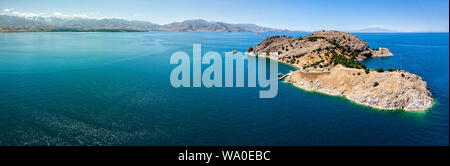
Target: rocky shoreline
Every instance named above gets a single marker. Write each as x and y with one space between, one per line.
327 62
387 91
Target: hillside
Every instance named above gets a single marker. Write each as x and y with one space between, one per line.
51 24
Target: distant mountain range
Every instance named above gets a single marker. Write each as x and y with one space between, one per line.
207 26
55 24
374 29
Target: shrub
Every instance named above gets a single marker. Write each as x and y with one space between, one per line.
299 55
367 70
380 70
313 39
333 51
403 75
351 63
314 64
375 84
354 54
391 69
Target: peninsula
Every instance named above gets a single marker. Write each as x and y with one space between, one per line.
329 62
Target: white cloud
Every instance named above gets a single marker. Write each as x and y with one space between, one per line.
80 15
7 10
16 13
58 14
10 11
62 15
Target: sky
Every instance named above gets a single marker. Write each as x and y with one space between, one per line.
306 15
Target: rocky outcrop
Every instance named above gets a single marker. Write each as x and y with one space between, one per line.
328 62
386 90
381 52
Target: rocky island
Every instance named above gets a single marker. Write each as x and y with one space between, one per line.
329 62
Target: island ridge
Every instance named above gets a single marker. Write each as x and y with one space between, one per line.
329 62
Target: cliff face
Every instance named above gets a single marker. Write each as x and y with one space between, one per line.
328 63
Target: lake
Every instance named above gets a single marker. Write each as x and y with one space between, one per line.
114 89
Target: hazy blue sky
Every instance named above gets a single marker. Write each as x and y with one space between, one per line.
400 15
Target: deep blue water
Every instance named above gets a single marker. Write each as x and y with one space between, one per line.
114 89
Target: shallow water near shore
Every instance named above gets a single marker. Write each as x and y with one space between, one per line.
114 89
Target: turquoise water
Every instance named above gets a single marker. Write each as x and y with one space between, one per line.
114 89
